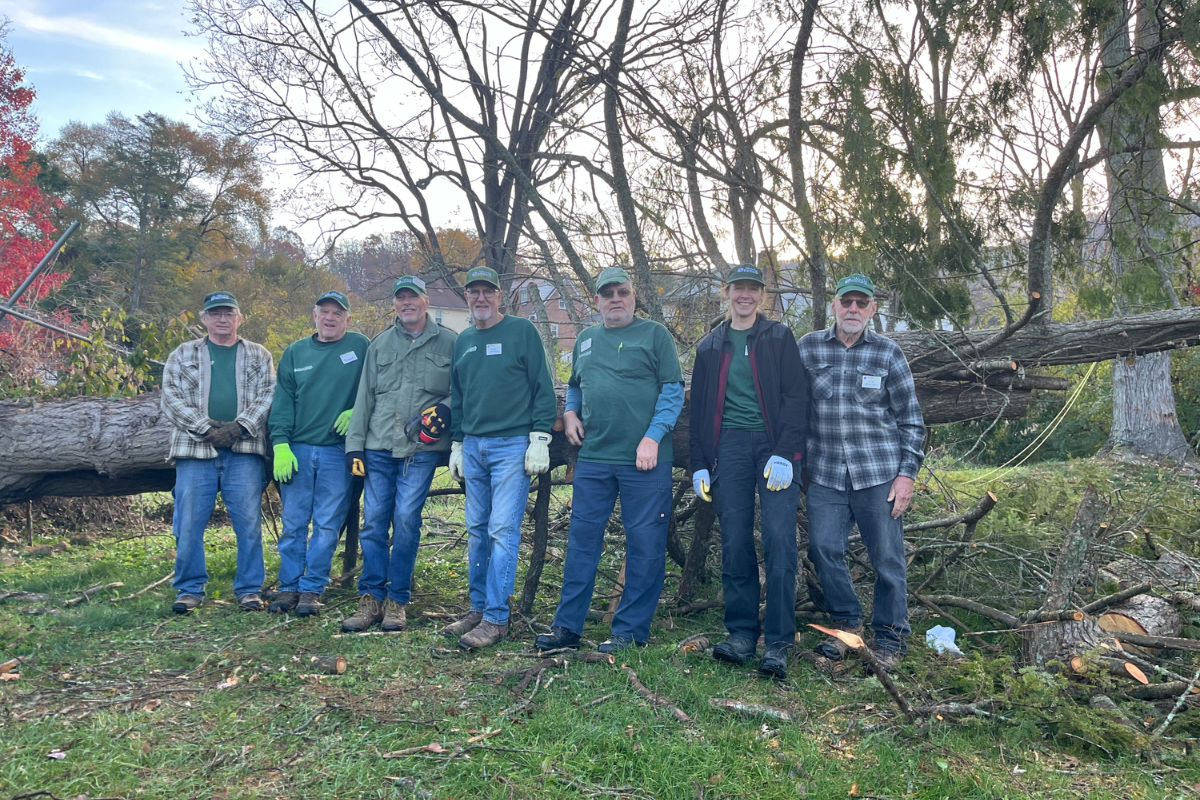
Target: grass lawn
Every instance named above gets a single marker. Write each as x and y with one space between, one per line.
128 700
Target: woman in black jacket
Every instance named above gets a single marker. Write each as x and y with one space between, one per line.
749 419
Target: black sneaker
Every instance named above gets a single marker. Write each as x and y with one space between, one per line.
557 639
616 643
185 603
283 602
737 650
309 604
774 661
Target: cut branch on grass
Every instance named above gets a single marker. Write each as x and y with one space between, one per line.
1119 597
87 593
750 709
856 643
145 589
655 699
981 510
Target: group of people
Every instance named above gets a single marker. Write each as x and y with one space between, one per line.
836 413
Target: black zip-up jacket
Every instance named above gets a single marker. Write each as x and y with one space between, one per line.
778 380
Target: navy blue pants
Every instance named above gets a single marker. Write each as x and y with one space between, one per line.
645 512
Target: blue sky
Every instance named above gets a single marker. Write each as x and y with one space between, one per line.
86 59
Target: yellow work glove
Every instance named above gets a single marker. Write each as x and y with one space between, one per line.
286 464
342 423
701 484
537 455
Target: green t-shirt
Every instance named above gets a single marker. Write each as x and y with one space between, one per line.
621 372
222 382
741 409
500 384
316 382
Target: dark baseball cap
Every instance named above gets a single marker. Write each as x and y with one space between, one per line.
856 282
610 275
485 274
219 300
336 297
746 272
410 282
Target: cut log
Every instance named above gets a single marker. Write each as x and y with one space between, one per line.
329 665
1044 642
1145 615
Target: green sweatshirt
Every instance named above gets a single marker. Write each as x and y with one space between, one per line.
500 382
316 382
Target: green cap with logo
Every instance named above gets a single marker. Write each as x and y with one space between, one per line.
746 272
610 275
410 282
336 297
219 300
856 283
485 274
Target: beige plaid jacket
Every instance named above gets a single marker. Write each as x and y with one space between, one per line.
185 397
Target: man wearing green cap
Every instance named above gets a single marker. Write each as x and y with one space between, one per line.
502 411
623 398
406 371
315 391
865 435
216 393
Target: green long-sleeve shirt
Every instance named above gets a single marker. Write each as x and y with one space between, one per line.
316 382
500 382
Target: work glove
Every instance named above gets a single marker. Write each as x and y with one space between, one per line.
342 423
222 435
285 463
456 469
537 455
778 473
356 462
700 485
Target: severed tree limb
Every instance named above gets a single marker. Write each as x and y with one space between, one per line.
86 594
856 643
750 709
978 709
981 509
1161 691
1185 599
655 699
1114 599
142 591
1178 705
1072 556
994 614
1168 642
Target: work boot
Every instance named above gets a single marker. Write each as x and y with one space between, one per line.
369 612
393 616
283 602
774 661
309 604
250 602
463 624
735 650
888 660
185 603
617 643
834 648
557 638
485 634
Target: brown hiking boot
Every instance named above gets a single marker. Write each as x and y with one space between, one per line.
283 602
463 624
369 612
251 602
834 648
309 604
485 634
393 616
185 603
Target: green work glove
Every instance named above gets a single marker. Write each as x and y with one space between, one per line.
285 463
342 423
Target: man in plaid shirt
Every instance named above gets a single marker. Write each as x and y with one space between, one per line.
217 392
865 432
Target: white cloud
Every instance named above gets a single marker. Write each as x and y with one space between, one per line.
72 27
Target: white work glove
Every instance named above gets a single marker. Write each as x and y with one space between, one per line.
700 485
456 470
537 455
778 473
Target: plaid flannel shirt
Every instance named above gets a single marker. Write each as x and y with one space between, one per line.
863 417
185 397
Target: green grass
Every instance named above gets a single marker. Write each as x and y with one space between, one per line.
223 704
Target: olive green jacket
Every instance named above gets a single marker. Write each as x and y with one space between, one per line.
401 376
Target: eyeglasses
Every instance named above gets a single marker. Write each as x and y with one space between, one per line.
488 292
608 293
222 313
850 302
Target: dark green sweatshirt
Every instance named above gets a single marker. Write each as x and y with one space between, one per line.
316 382
500 384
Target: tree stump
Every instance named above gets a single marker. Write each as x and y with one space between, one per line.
1144 614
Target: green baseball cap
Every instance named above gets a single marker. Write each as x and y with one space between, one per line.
410 282
336 297
219 300
485 274
611 275
856 283
746 272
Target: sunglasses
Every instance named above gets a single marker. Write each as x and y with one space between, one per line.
850 302
607 293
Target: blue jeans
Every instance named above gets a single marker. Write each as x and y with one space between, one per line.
831 515
645 513
319 492
741 458
240 478
395 493
497 491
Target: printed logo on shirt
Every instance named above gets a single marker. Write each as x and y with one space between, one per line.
349 358
471 349
493 349
585 345
303 369
872 382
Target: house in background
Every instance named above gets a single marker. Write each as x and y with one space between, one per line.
447 307
557 317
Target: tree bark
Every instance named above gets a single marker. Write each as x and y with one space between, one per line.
1144 419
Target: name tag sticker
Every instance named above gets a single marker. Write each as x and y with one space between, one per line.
349 357
494 349
747 350
872 382
585 345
